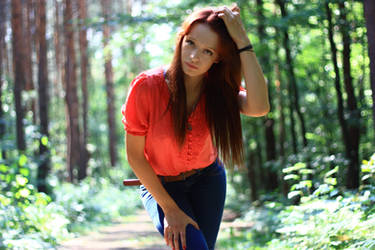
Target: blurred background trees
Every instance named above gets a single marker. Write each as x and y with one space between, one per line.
65 66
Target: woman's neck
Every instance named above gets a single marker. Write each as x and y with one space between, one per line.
193 85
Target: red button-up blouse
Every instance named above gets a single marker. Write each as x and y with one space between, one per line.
144 114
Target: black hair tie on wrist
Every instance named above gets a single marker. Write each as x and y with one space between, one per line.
248 47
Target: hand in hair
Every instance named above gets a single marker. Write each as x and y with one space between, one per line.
232 19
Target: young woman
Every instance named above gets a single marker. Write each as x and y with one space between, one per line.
179 119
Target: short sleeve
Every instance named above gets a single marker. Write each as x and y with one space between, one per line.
136 111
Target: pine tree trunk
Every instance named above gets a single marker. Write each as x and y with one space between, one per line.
71 97
251 175
19 70
340 101
112 140
28 21
292 79
279 88
32 38
129 6
268 122
289 106
354 113
5 5
59 76
369 10
82 172
2 46
43 99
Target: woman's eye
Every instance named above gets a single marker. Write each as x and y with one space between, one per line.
190 42
208 52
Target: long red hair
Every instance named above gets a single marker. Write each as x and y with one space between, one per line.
222 84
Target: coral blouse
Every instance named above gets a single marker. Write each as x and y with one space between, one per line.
145 114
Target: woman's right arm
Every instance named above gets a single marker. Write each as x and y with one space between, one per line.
142 169
176 219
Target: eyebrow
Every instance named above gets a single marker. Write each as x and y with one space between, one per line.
192 38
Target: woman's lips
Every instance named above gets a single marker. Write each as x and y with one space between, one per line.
191 65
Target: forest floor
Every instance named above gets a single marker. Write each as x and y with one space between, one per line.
133 232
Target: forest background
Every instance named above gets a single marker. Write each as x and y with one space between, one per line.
65 67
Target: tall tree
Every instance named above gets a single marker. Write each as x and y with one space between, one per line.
32 38
280 107
28 21
2 46
43 99
251 174
272 176
129 6
82 15
59 72
112 138
293 88
18 70
339 96
369 10
5 8
71 97
354 112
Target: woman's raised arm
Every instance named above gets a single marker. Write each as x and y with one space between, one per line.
255 101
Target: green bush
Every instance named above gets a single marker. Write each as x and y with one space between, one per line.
368 185
322 221
262 221
326 224
33 219
26 216
325 217
93 201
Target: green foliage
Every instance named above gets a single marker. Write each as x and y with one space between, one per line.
262 225
94 201
368 185
321 177
326 224
27 217
33 219
324 218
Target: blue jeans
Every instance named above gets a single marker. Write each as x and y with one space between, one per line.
201 196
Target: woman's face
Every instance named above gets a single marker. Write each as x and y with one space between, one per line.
199 50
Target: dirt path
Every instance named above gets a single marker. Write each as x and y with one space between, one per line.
136 232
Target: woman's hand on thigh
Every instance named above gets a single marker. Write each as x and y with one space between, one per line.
175 223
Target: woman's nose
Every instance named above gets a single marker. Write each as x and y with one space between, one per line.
194 55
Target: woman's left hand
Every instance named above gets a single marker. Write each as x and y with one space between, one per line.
233 22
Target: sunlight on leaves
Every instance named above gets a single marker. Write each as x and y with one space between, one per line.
24 192
3 168
44 140
294 194
22 160
21 181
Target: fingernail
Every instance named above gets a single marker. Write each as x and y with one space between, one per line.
184 247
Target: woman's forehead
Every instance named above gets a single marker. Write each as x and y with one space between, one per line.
203 34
